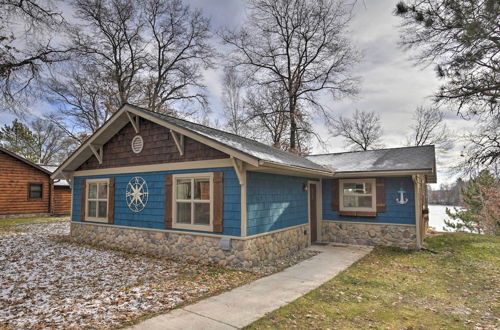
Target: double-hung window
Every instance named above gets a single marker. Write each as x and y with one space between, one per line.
96 206
193 201
358 195
35 191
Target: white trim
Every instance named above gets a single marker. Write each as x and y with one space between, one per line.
418 208
134 120
325 173
193 176
320 209
316 183
243 203
373 194
98 153
239 168
370 223
179 141
194 165
378 173
68 176
96 219
239 238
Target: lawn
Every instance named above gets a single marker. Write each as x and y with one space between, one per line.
23 221
46 281
458 287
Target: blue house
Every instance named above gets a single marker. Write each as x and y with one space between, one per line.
160 185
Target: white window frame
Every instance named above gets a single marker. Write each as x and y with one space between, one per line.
373 208
192 176
87 184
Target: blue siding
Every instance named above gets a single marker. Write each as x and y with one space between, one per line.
394 212
274 202
154 214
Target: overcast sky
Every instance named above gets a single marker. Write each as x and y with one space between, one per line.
390 83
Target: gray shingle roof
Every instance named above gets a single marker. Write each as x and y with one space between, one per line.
241 144
395 159
52 169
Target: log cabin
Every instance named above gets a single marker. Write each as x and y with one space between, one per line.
26 189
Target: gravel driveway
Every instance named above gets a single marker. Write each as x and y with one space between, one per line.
46 282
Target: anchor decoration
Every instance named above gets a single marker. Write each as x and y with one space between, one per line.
137 194
402 197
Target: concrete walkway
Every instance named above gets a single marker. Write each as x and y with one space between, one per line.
243 305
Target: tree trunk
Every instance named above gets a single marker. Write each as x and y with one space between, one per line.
293 123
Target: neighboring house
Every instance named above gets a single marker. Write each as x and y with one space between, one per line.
26 189
161 185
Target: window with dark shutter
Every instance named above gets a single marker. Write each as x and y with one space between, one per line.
335 195
168 201
111 200
218 201
380 192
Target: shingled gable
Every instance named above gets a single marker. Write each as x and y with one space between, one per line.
247 150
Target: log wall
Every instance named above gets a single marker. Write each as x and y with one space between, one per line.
62 200
15 177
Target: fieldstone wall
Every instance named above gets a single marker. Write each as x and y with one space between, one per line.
369 234
245 253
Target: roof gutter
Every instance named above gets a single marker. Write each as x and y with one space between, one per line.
381 173
326 173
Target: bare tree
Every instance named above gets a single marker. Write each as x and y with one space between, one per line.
52 146
41 142
300 45
428 128
462 39
85 99
233 100
27 46
109 40
482 149
177 52
149 53
361 132
268 112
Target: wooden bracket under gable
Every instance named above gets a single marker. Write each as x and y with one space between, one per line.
239 167
179 141
97 151
68 177
134 120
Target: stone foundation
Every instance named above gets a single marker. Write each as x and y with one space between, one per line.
369 234
245 252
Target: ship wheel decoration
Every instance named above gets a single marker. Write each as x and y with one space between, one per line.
137 194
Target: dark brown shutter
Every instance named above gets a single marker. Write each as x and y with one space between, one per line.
335 195
380 195
218 201
83 192
168 201
111 201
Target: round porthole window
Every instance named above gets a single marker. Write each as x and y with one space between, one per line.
137 144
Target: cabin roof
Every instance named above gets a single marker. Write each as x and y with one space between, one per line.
250 147
420 158
24 160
